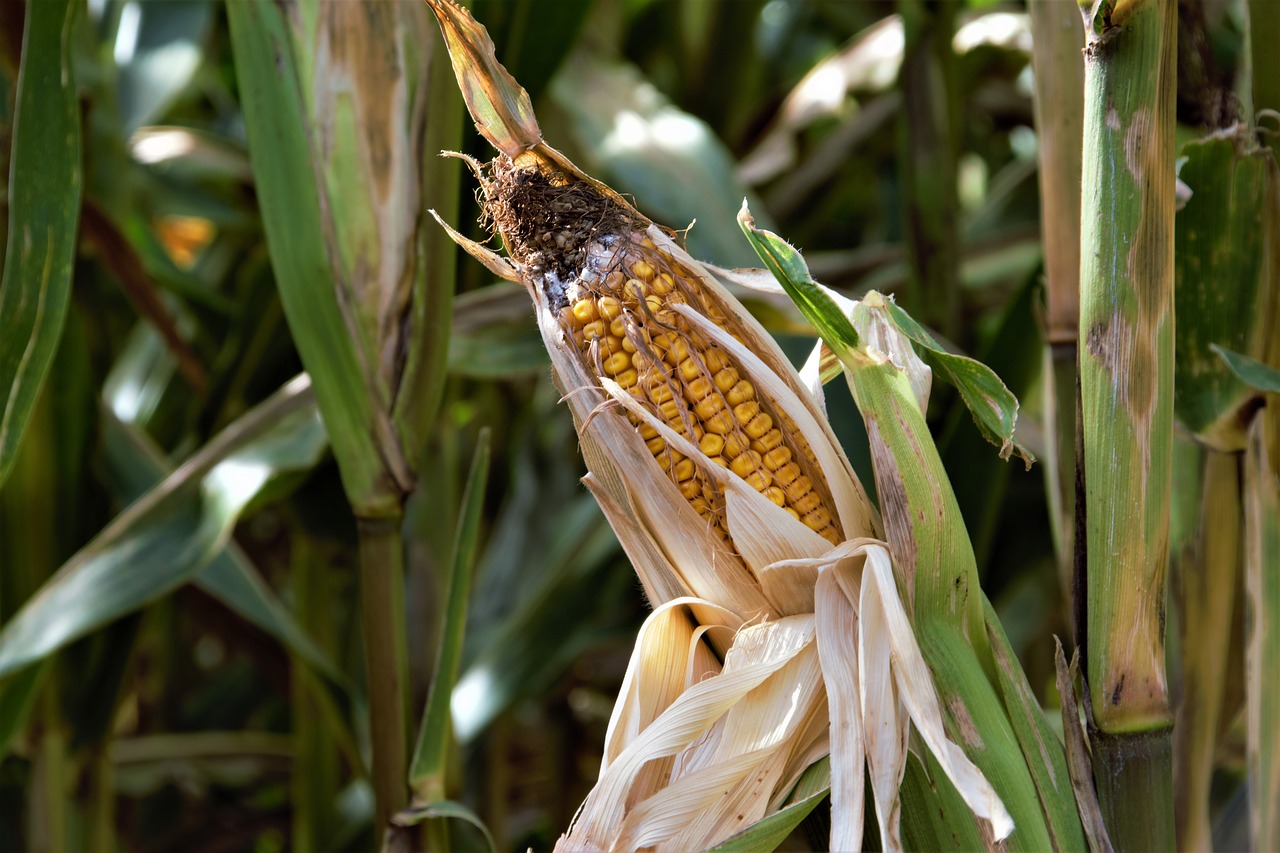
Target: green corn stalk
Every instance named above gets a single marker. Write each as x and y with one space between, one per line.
340 101
1126 380
977 677
1059 116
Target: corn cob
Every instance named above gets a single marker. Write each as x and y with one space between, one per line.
613 291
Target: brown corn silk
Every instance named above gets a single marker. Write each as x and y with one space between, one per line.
613 291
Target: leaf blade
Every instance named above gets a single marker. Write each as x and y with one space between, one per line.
44 204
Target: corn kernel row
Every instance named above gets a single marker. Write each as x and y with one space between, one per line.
623 324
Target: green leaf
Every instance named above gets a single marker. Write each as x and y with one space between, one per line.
168 40
493 334
993 406
44 203
527 645
1250 371
635 139
789 268
1218 265
443 809
135 465
427 773
272 96
171 533
766 834
1043 752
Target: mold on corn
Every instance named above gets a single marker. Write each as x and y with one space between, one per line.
613 292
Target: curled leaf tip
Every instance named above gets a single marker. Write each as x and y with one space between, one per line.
498 104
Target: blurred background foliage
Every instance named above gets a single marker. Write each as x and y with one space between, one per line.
163 693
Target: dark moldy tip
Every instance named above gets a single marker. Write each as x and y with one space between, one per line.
548 219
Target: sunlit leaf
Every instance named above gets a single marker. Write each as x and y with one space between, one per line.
171 533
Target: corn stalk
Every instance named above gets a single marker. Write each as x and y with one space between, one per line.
336 100
1059 116
1126 377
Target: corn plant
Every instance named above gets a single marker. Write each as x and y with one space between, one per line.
800 597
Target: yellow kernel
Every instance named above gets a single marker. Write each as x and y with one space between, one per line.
720 424
647 242
585 310
670 411
711 444
792 513
593 330
618 327
798 488
757 426
661 393
735 444
656 445
657 308
642 270
691 489
663 284
616 363
627 346
716 359
684 470
690 368
808 503
612 343
746 411
567 318
647 431
677 351
776 495
758 480
746 463
787 474
767 442
726 379
740 393
699 504
635 289
776 458
668 459
628 379
609 307
709 407
817 519
697 389
721 461
639 360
